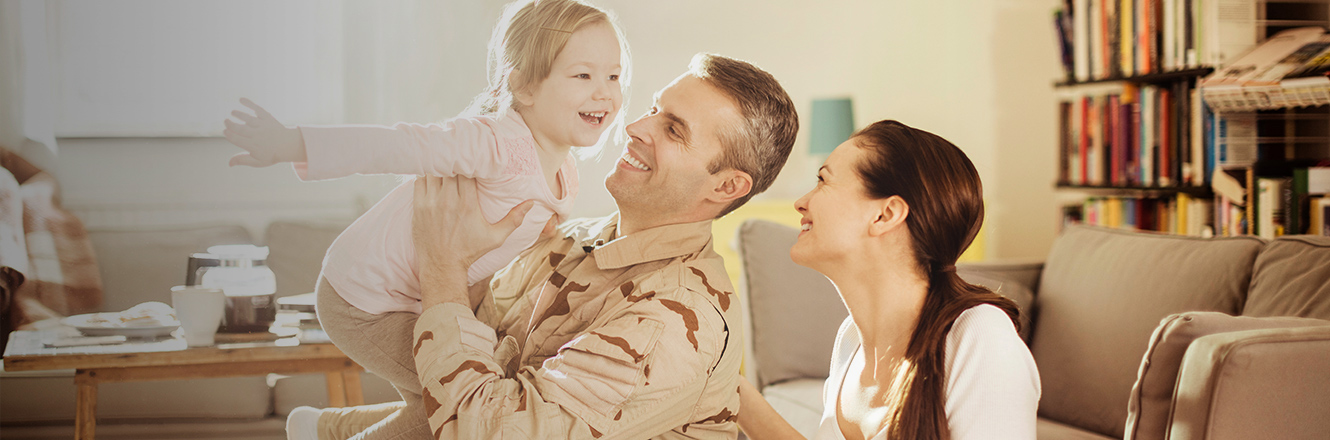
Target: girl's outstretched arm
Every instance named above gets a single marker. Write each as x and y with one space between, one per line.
758 419
265 140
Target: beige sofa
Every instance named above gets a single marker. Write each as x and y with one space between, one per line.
141 265
1136 336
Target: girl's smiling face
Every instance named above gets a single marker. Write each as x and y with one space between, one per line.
582 95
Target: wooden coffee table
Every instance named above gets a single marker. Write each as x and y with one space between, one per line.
171 359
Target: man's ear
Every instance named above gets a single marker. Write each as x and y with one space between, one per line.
891 215
732 185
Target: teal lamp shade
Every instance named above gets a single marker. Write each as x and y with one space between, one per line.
833 123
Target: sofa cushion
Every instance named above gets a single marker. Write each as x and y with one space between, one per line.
48 396
799 402
795 311
140 265
1048 429
1102 294
1152 396
295 252
1292 278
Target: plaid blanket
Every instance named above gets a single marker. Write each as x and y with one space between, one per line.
47 265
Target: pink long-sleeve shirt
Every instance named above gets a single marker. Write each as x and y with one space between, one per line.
372 264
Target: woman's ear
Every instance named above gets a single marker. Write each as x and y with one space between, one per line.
891 216
732 185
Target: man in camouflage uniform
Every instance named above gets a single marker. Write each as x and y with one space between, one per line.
618 327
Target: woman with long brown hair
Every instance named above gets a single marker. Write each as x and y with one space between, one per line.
923 354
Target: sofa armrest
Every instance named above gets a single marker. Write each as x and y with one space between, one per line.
1266 383
1153 395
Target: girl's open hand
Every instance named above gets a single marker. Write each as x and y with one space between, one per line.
265 140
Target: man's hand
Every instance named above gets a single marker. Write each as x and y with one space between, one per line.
450 234
265 141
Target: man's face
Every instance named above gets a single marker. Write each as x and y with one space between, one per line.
662 174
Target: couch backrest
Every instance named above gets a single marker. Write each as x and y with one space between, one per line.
1101 296
1291 278
142 264
296 250
794 310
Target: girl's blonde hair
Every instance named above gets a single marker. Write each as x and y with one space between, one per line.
522 48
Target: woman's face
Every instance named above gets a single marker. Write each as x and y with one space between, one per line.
836 213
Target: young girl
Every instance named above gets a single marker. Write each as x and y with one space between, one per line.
558 71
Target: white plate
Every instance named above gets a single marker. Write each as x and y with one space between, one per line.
107 324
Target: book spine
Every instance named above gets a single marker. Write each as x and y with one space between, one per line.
1115 140
1183 207
1126 32
1113 34
1084 140
1080 18
1165 138
1147 144
1208 148
1298 209
1265 208
1064 127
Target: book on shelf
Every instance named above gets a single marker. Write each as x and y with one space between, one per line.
1079 21
1270 206
1227 186
1121 38
1318 180
1320 216
1227 29
1125 134
1235 139
1178 214
1306 184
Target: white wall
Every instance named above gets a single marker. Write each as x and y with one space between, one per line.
975 72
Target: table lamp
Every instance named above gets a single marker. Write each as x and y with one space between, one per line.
833 123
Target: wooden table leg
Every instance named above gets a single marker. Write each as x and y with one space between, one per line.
355 395
85 415
336 389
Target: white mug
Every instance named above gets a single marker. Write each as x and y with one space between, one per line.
199 310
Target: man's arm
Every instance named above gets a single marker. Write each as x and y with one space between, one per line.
640 375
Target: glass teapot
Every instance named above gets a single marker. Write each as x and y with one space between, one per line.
241 271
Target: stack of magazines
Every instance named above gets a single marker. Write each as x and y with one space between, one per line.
297 312
1287 70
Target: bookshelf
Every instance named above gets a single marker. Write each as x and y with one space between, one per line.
1194 191
1144 134
1151 78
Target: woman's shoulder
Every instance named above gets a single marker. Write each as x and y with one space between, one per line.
986 316
992 380
983 336
982 333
